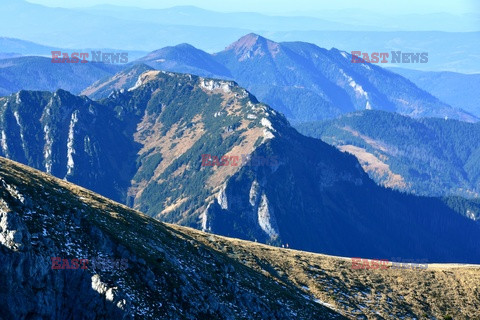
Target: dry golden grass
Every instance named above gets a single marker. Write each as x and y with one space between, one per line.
436 292
370 163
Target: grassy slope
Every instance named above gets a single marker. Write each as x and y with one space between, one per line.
439 291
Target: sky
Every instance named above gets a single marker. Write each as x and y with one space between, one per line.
304 7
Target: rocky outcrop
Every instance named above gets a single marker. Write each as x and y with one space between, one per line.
29 288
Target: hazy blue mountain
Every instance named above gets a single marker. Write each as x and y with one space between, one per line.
39 73
185 58
7 55
307 82
423 156
40 24
457 89
335 20
440 56
147 30
194 16
439 21
17 47
181 58
24 47
145 146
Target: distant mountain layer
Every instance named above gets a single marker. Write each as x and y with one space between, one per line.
154 147
150 29
7 55
39 73
301 80
185 58
24 47
306 82
438 45
12 47
457 89
423 156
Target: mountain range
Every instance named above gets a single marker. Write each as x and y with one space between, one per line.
13 47
457 89
301 80
39 73
306 82
284 187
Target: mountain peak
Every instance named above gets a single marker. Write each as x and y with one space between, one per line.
185 46
252 45
169 50
250 38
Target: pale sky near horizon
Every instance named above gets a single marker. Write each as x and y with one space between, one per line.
300 7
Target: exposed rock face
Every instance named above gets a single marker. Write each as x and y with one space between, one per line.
68 136
29 288
12 231
266 218
168 275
